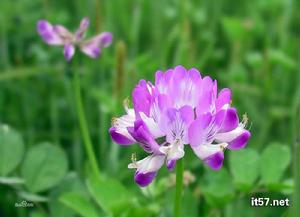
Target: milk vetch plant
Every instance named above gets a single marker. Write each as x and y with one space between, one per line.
181 109
58 35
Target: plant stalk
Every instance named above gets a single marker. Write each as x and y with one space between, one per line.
179 188
83 125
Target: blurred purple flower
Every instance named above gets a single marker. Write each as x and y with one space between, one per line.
181 108
59 35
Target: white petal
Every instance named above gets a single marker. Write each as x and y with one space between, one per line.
151 163
173 151
122 123
152 125
206 150
231 135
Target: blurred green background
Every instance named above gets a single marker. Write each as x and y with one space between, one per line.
250 46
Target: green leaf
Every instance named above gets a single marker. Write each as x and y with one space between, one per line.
217 187
244 167
11 149
189 206
80 203
285 186
254 59
240 205
273 162
110 194
44 166
11 180
37 213
107 103
71 183
148 210
233 28
32 197
278 57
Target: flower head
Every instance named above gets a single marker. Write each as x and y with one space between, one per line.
182 108
59 35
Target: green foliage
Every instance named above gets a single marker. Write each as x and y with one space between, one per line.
70 184
234 28
244 166
11 149
80 203
11 180
273 162
44 166
37 213
110 194
238 206
189 203
217 187
277 57
32 197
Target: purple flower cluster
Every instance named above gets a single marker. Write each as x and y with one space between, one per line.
59 35
182 108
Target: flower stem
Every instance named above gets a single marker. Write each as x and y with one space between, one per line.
179 188
83 125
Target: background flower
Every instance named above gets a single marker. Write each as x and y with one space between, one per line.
59 35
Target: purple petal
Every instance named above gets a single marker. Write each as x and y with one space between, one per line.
206 99
141 98
215 161
159 75
144 179
91 50
105 39
231 120
187 114
171 164
162 80
219 119
63 33
223 98
182 85
82 28
120 138
207 84
194 74
215 89
69 51
240 141
147 169
174 123
196 130
164 102
141 134
93 46
152 125
179 73
46 31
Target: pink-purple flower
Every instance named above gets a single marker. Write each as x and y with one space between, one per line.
58 35
182 108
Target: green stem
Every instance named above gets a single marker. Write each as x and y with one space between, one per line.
179 188
83 125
